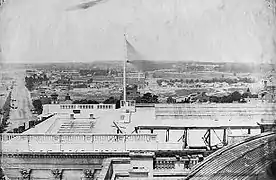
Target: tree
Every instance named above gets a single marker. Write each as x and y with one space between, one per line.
187 81
155 99
138 99
92 102
236 96
171 100
29 83
45 78
214 99
110 100
38 106
2 175
85 101
118 105
147 98
226 99
159 82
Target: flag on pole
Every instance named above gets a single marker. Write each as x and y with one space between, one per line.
135 58
132 53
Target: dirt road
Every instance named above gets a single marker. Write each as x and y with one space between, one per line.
21 102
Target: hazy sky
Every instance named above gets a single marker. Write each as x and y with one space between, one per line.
200 30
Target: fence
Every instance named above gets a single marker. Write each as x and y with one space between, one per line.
83 142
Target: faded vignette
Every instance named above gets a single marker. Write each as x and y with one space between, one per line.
137 89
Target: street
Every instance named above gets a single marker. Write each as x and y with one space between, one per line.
21 103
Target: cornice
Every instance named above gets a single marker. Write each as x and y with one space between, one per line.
57 155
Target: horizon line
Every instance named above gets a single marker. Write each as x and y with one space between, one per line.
171 61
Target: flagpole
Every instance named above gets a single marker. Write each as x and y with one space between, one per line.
124 74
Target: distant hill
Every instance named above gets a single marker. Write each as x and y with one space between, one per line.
148 65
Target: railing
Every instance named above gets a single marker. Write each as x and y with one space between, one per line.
172 163
59 108
83 142
87 106
145 105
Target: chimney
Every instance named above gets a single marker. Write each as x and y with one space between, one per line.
91 116
72 116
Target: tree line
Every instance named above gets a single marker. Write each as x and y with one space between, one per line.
152 98
233 97
145 98
34 79
213 80
5 113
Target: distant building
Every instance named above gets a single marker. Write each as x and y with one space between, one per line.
67 99
54 98
30 72
44 99
136 78
103 79
131 92
203 97
269 86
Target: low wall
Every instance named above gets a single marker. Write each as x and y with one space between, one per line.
77 142
68 108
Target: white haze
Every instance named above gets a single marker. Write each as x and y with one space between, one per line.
200 30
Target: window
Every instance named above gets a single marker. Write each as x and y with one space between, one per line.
76 111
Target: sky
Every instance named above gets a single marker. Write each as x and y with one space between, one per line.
39 31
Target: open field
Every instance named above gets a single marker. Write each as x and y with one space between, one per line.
205 75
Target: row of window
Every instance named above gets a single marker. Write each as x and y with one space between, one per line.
68 107
100 106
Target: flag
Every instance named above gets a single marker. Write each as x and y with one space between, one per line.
132 53
134 57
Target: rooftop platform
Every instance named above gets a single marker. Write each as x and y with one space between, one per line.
80 121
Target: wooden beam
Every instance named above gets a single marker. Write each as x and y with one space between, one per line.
224 137
167 135
185 139
161 127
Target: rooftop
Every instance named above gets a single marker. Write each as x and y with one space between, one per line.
104 121
243 160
